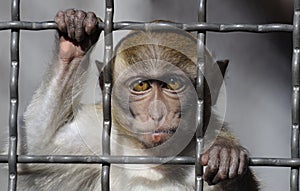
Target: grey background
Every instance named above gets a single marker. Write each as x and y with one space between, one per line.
258 81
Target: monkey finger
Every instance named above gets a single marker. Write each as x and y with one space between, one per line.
208 175
79 30
204 159
70 19
213 165
243 163
234 163
60 21
223 167
90 23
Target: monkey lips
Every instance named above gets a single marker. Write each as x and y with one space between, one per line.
157 137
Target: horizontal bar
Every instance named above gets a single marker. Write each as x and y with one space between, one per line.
26 25
214 27
88 159
262 28
275 162
100 159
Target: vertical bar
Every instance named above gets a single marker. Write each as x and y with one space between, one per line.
294 177
200 102
14 98
202 18
107 91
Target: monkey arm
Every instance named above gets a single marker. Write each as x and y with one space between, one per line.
54 103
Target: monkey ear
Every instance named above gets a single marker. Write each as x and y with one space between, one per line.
223 66
100 66
212 92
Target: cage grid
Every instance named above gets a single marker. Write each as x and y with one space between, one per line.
12 158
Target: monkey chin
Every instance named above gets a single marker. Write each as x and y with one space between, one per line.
156 138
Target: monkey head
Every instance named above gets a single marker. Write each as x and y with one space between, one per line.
154 99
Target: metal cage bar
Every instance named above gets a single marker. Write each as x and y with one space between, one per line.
90 159
14 98
201 39
215 27
294 177
109 11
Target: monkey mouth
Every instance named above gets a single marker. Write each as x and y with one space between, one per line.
156 137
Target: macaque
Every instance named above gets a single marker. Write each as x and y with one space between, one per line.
153 114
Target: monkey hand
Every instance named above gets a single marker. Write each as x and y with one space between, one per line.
224 160
78 32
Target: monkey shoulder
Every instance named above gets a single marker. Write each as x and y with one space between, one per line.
85 131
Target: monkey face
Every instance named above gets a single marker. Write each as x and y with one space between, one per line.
154 102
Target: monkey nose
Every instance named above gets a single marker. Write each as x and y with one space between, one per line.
157 111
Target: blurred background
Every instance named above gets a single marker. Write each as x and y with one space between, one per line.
258 81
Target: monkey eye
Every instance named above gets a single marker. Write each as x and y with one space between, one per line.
174 84
140 86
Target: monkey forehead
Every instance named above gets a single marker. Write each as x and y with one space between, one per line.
153 70
153 61
173 46
175 39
